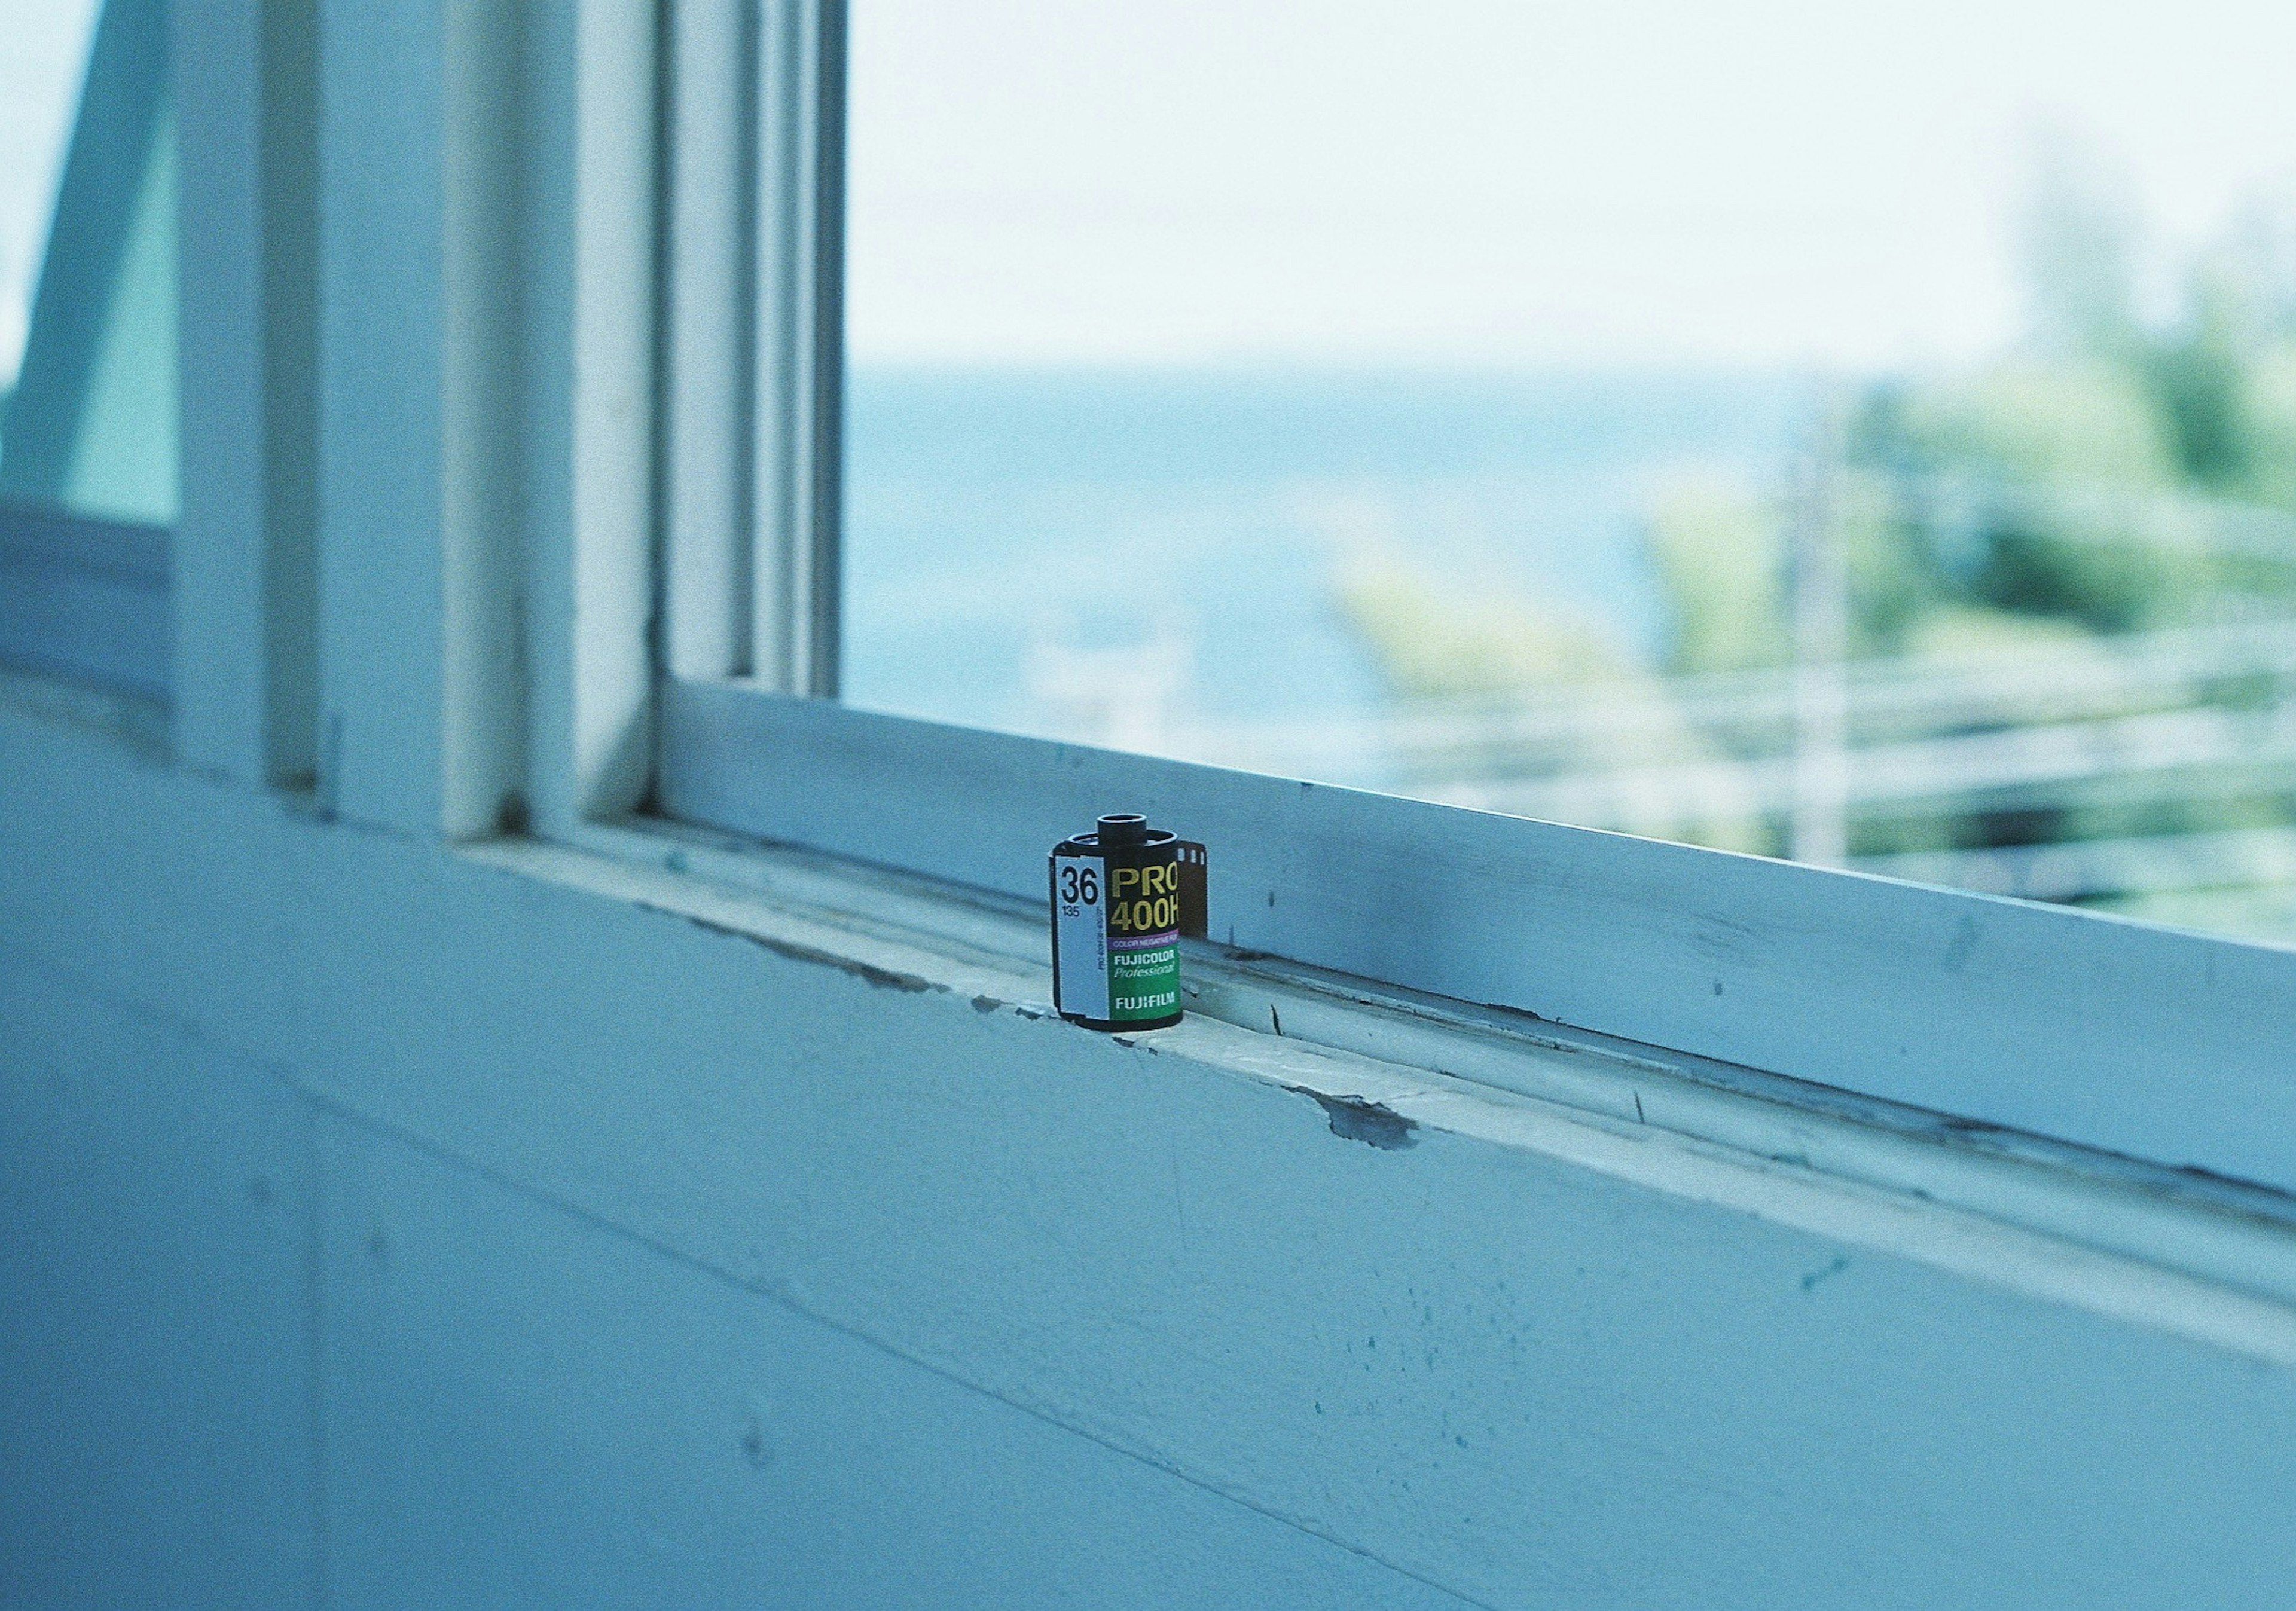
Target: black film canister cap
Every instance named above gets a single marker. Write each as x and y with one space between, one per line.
1123 830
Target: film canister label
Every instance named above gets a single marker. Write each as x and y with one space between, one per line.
1121 897
1080 937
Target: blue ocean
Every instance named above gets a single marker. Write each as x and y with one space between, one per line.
1016 540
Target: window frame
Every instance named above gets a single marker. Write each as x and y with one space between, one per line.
213 618
2108 1033
88 598
486 657
750 403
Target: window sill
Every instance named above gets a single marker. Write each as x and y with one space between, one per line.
2174 1249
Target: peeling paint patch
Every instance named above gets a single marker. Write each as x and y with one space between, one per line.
1356 1119
868 973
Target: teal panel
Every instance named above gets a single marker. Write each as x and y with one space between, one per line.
123 461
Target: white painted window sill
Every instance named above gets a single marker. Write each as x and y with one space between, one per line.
2168 1248
2172 1248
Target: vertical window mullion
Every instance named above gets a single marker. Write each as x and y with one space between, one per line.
753 342
800 200
707 335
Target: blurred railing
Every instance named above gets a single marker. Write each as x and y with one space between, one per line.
1999 745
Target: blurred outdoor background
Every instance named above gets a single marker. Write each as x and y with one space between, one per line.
1860 434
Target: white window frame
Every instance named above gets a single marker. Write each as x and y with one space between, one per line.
752 341
488 656
2110 1033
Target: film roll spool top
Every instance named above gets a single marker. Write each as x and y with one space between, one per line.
1123 895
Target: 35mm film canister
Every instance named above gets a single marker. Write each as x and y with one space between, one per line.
1122 896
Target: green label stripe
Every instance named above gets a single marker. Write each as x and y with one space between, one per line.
1143 976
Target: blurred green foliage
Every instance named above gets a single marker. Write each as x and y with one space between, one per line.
2110 477
1436 643
2079 480
2127 468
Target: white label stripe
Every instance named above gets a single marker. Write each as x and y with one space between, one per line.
1080 936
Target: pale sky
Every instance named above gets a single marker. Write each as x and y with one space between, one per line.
1493 183
1503 183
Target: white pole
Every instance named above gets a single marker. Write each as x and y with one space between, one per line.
1820 586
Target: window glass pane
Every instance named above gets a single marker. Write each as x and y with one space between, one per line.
41 65
1865 434
87 261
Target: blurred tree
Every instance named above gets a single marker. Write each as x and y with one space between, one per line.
2268 412
1720 560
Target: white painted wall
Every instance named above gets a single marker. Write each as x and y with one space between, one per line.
392 1224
